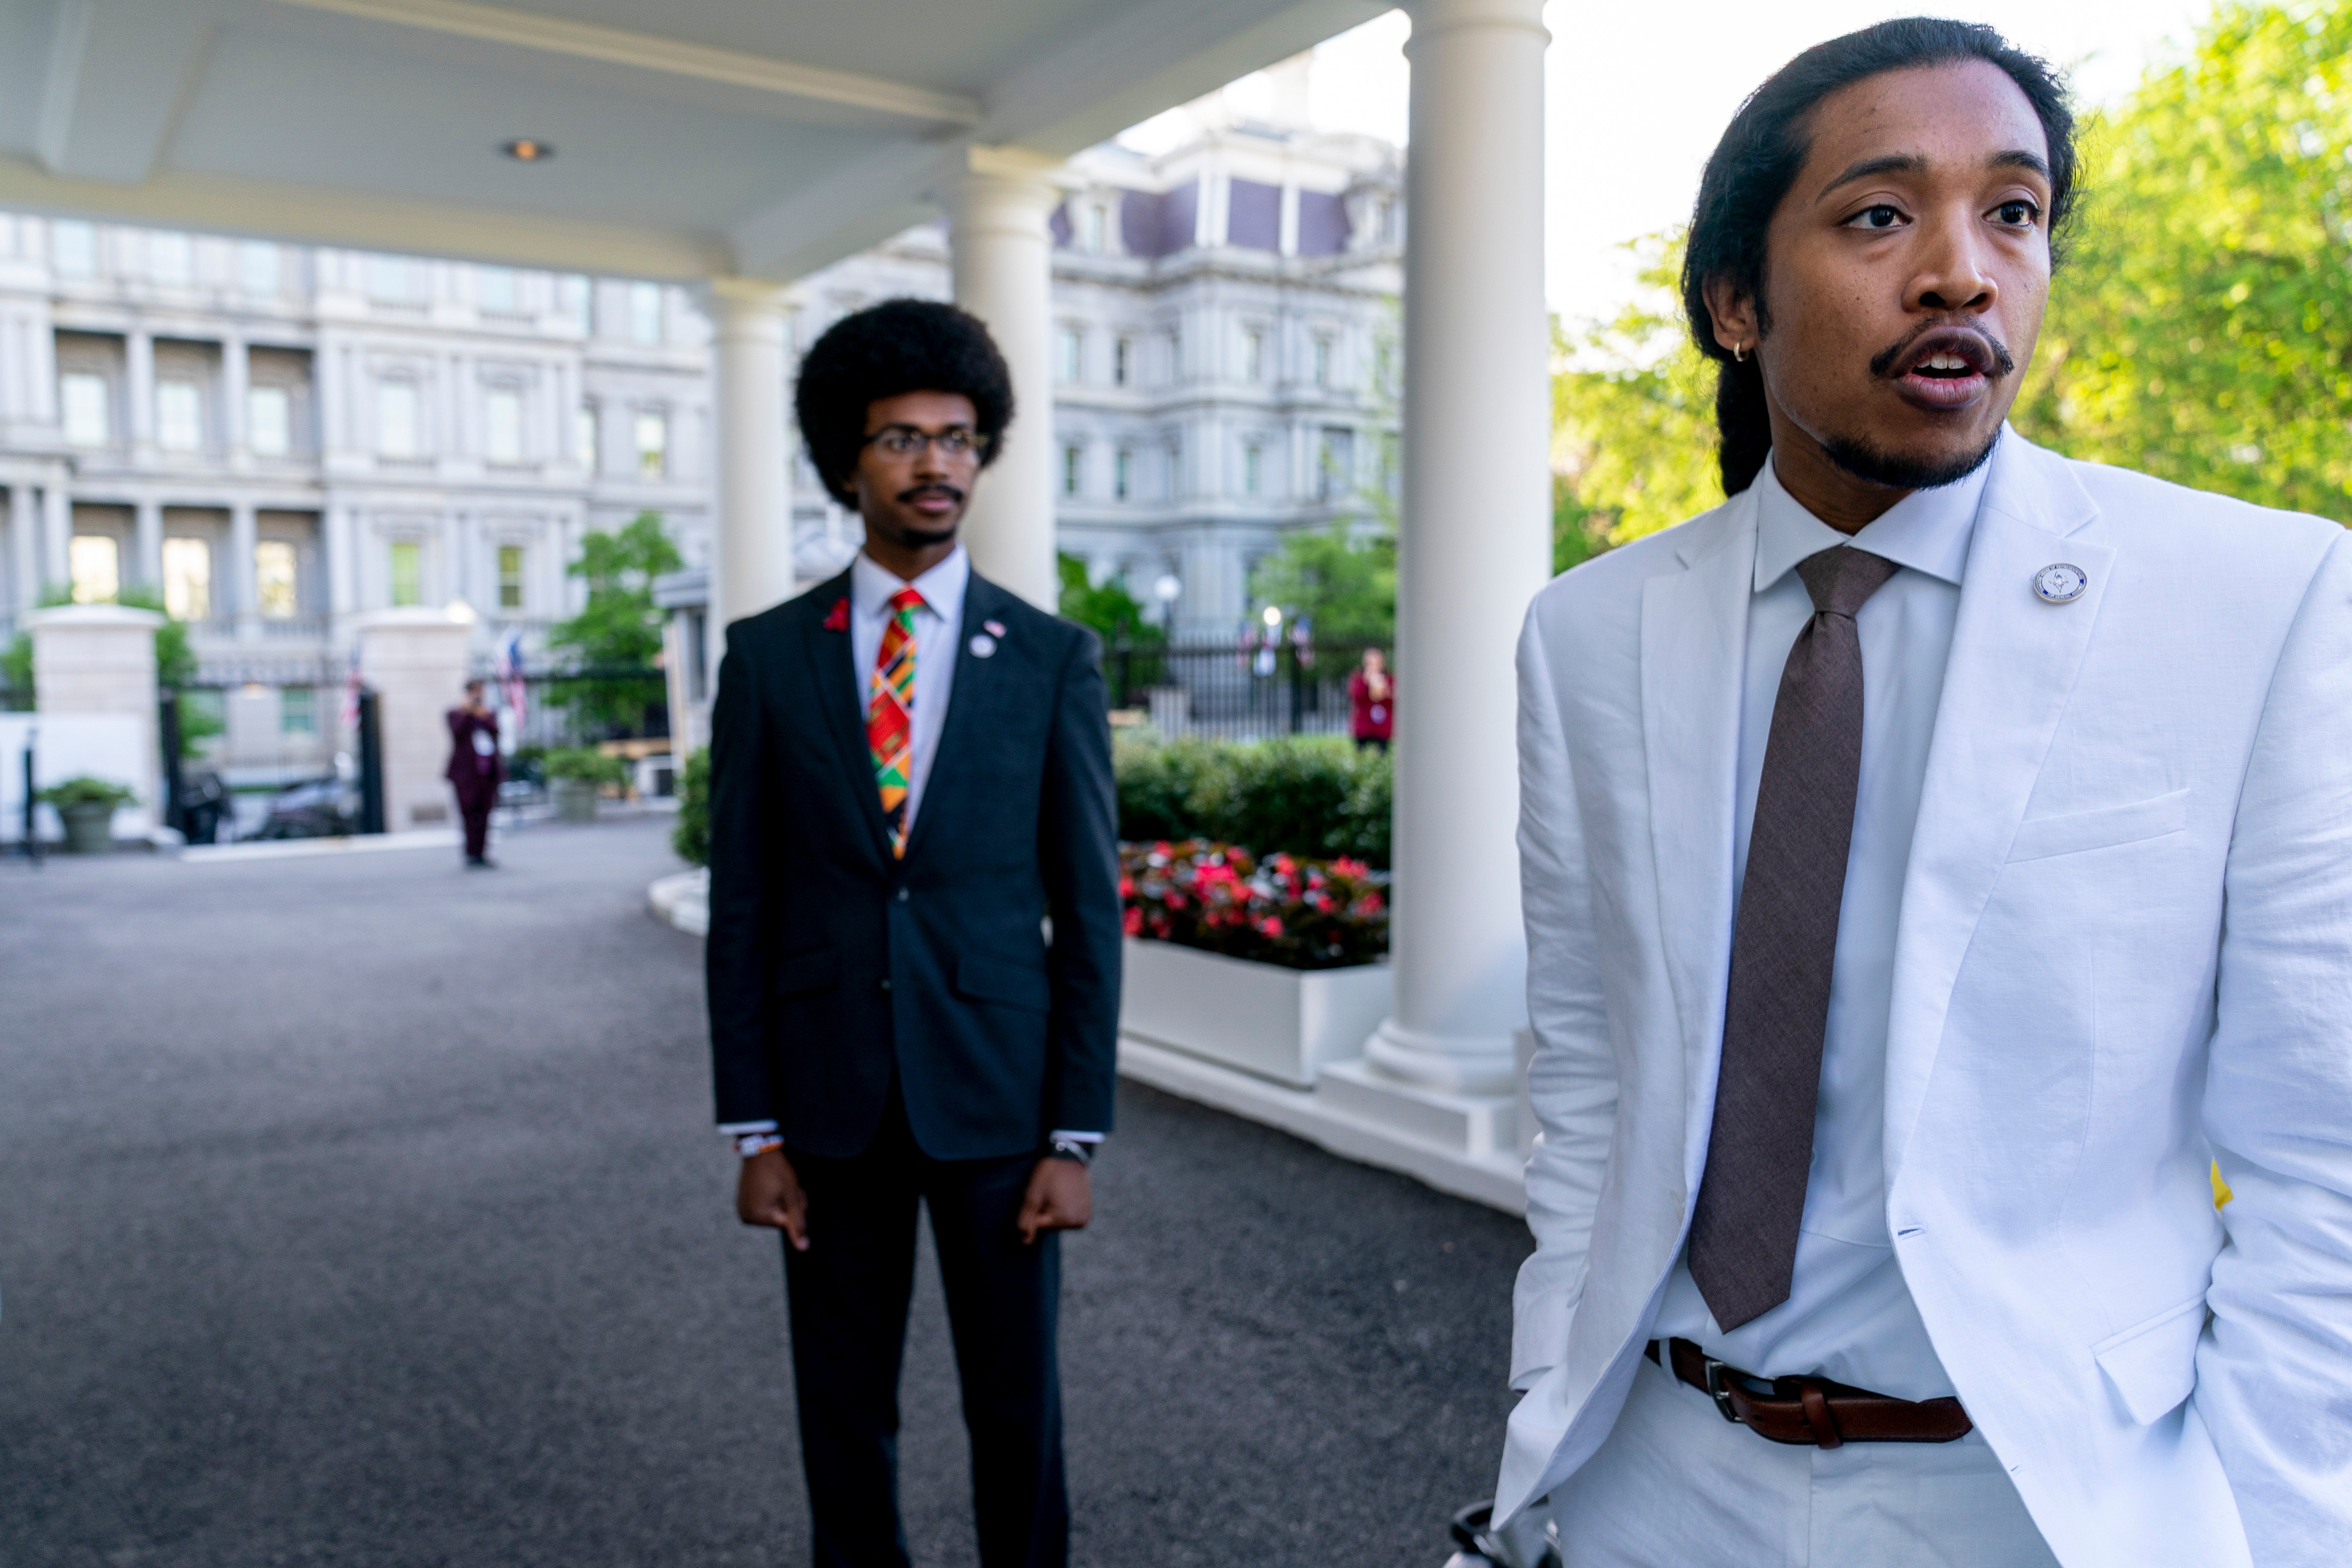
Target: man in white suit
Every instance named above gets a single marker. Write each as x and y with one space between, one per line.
1934 857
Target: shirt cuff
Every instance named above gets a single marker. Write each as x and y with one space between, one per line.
1075 1137
737 1129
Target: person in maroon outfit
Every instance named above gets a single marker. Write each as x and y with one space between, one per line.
1371 701
476 771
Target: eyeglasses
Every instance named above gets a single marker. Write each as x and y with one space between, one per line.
955 443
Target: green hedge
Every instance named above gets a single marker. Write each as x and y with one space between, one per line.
1310 795
586 765
691 837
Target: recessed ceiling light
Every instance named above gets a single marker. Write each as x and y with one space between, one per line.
528 150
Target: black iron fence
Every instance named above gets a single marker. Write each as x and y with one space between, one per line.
1244 690
583 708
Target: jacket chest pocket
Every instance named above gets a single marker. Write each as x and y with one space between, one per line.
2152 1365
2103 828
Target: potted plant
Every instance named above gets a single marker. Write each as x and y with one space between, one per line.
1274 965
86 805
576 776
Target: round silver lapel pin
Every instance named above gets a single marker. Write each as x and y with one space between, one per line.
982 645
2060 582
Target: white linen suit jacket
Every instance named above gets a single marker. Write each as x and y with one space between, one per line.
2124 948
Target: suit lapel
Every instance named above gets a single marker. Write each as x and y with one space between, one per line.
969 699
2013 664
832 674
1694 647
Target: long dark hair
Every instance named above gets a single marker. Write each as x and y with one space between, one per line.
1757 160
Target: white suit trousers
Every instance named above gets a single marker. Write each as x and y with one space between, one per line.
1676 1486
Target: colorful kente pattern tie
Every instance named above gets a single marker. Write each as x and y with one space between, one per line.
890 714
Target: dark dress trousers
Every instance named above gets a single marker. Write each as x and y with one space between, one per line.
916 1027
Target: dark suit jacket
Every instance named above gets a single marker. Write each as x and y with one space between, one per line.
469 769
830 963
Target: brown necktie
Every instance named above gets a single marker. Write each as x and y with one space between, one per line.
1743 1239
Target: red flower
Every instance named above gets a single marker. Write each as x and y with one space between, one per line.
836 619
1270 926
1175 899
1134 922
1127 887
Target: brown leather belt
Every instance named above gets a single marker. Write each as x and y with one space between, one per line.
1814 1409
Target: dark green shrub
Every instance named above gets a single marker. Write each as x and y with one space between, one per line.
584 763
1309 795
85 789
691 837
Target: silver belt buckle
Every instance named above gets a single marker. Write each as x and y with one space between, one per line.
1717 1390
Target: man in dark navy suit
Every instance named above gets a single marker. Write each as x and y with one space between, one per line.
913 960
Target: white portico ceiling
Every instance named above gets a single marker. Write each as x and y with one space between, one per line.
693 137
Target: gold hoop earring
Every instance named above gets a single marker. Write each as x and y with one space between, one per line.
1739 353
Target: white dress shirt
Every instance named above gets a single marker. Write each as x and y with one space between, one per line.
1849 1316
938 624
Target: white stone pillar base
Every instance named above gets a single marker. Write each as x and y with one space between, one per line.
416 659
98 662
1455 1063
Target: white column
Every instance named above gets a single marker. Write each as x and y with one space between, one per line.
139 391
342 563
147 546
242 598
23 560
57 535
1475 540
457 544
1000 203
236 400
751 547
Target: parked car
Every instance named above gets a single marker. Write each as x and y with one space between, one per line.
312 808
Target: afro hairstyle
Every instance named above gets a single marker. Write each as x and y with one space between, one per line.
897 346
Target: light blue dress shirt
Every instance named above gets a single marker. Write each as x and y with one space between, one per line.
1849 1315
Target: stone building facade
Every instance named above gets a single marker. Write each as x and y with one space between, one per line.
279 437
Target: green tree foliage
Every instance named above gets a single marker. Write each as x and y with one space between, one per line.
620 628
2202 331
1341 579
1115 615
1633 419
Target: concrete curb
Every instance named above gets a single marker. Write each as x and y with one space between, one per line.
295 849
682 901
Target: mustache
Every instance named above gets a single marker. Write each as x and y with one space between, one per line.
922 490
1883 363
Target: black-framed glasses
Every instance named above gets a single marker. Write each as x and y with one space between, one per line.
955 442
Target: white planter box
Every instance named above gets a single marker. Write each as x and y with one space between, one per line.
1280 1024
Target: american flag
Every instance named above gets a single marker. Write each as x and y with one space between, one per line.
351 699
511 685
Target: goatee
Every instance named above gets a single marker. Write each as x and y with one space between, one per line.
1902 471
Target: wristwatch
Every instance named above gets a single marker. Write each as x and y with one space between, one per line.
1070 1148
